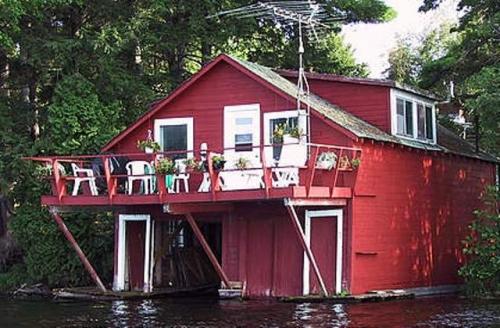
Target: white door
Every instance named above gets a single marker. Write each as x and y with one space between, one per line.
242 132
122 265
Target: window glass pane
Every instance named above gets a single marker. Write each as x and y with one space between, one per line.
244 121
400 116
174 138
429 131
420 121
243 138
409 118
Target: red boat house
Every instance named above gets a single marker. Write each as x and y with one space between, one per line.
257 189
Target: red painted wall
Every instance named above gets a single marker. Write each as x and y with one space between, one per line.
411 211
261 248
205 101
368 102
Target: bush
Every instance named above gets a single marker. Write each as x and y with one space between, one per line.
48 256
482 270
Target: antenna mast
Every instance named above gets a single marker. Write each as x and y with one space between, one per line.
308 16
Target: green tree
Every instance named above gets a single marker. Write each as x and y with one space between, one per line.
73 73
482 270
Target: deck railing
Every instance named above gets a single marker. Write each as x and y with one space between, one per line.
325 167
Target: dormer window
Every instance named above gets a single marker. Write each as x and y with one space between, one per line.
413 117
404 117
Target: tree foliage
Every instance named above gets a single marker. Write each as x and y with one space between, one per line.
482 270
73 73
468 55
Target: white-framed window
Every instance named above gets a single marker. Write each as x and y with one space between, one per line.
413 117
175 134
242 127
272 120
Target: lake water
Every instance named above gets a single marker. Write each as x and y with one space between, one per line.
206 312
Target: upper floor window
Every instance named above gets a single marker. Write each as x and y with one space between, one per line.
175 135
272 120
413 117
404 117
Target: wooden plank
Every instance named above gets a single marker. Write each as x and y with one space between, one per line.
90 269
302 239
317 202
319 192
207 249
183 208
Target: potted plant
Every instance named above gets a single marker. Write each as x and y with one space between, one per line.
166 167
193 165
292 135
326 161
218 162
149 146
344 163
242 163
355 162
278 133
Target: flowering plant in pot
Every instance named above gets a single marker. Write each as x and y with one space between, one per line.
344 163
242 163
278 133
218 162
193 165
355 162
326 160
166 166
149 146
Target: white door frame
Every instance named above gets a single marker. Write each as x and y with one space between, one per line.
231 112
339 214
119 284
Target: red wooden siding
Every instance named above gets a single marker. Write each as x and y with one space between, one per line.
205 101
368 102
261 248
411 211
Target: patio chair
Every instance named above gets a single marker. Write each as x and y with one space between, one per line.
139 171
83 175
180 176
293 157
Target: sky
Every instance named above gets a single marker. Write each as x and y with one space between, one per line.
372 43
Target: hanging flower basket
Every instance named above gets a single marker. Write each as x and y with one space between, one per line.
326 161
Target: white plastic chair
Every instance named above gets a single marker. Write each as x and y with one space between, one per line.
293 157
180 176
83 175
139 170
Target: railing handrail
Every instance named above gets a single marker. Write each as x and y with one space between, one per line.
70 158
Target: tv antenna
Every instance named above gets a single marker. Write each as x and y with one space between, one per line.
307 16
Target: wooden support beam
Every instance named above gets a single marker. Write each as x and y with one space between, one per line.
183 208
207 249
79 252
302 239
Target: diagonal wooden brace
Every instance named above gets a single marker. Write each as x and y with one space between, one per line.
78 250
307 249
207 249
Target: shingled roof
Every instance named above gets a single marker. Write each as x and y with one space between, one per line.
447 141
341 118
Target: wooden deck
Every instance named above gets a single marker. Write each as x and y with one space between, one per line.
221 196
315 183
